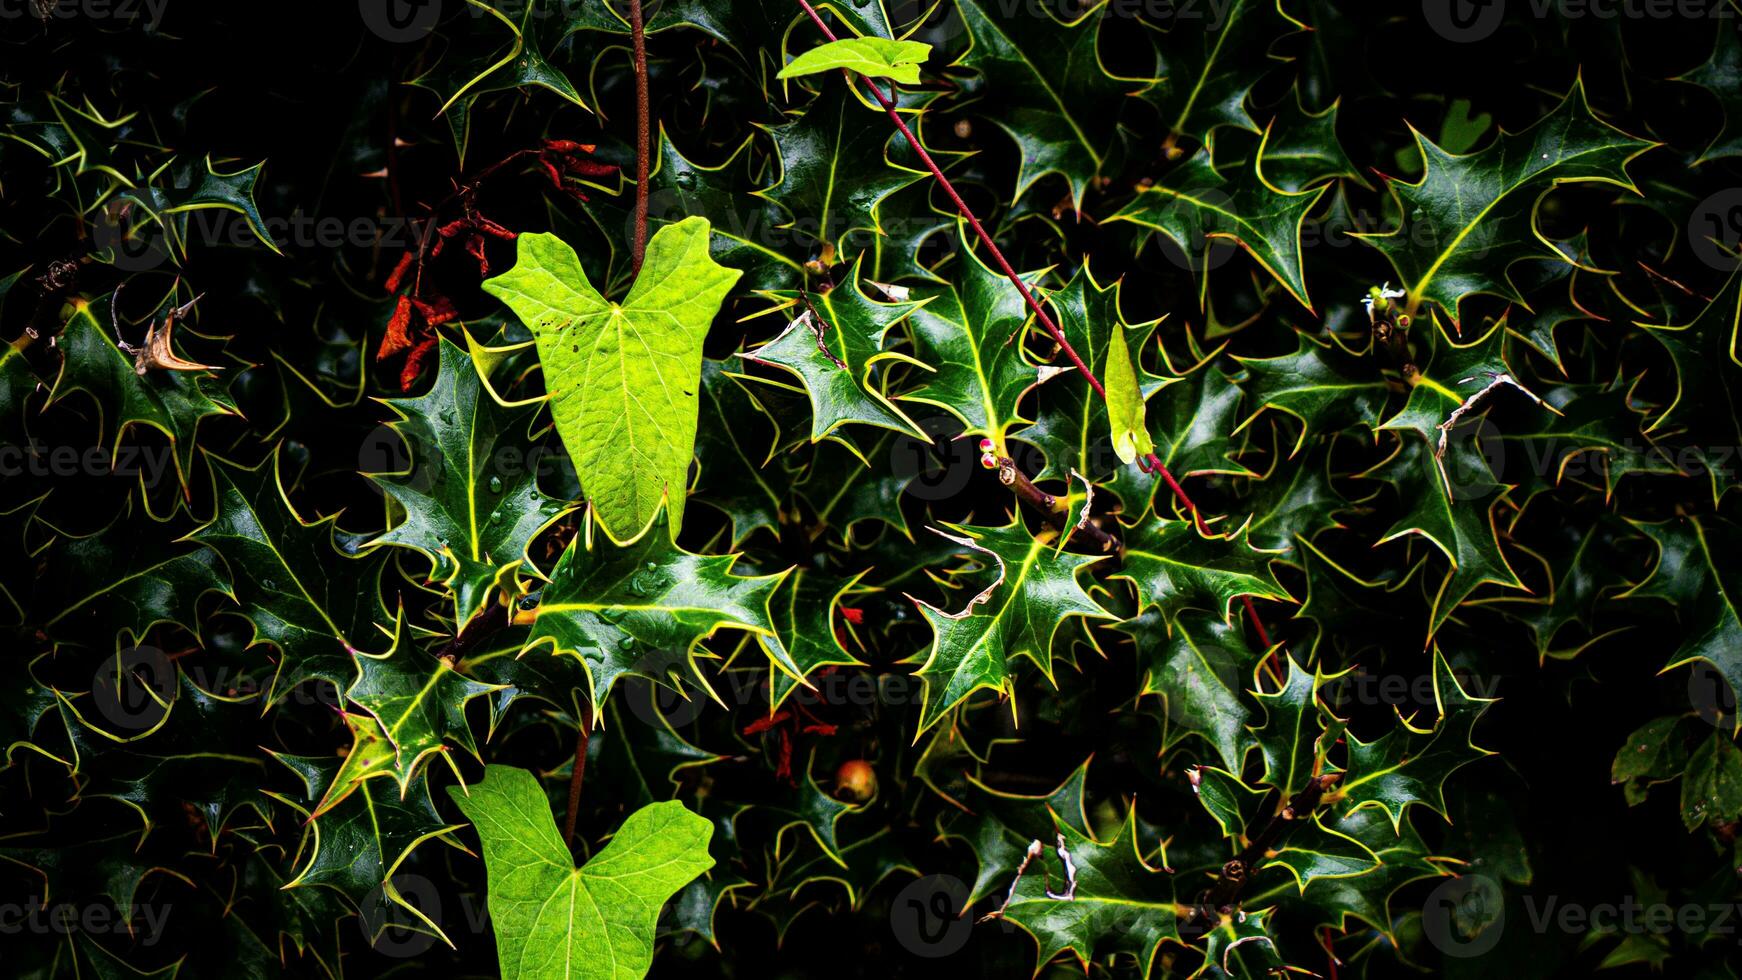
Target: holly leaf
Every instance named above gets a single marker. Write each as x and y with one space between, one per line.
1407 765
172 402
1035 590
1322 384
315 603
1210 63
1300 149
470 493
833 352
876 57
1471 217
1707 408
419 700
643 608
623 376
1053 96
734 445
1123 903
827 199
807 635
1194 205
1721 75
1291 740
969 332
1175 568
117 584
552 919
1694 573
1198 665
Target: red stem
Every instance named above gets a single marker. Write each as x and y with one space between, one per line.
1149 463
643 136
575 776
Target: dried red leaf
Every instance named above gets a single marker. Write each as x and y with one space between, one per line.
475 248
398 335
436 311
761 725
397 276
414 363
854 616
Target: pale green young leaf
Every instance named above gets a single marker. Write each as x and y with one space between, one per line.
1125 403
877 57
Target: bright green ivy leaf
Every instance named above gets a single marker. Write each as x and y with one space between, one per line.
623 376
554 921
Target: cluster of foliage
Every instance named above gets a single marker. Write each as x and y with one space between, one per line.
821 560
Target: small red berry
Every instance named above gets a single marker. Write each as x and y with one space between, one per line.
855 781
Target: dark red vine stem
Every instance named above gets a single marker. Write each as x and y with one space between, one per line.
643 136
1150 463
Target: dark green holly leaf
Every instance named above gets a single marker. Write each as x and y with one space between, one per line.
1300 149
315 603
1195 205
833 353
1124 901
470 495
1707 408
735 445
835 168
419 700
1321 384
172 402
808 631
1210 63
643 608
1409 765
1175 568
1696 574
969 332
1018 616
1198 665
1053 95
1471 217
1291 740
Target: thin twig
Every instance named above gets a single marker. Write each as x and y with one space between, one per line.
642 136
1223 897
